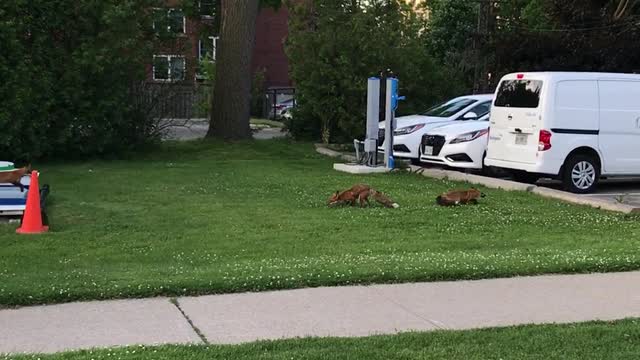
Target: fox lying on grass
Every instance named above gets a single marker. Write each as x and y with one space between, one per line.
360 193
459 197
13 177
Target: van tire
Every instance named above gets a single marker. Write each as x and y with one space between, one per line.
525 177
582 164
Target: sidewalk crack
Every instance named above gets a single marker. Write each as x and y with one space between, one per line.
203 338
437 324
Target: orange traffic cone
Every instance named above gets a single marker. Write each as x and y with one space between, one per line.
32 221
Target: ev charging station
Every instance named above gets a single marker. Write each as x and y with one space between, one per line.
382 102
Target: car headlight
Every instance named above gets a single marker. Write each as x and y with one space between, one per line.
408 130
469 136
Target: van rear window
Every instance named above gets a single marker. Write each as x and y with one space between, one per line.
519 94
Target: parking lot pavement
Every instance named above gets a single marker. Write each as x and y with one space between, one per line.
624 191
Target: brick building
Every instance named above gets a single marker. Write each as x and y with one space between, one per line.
272 29
178 59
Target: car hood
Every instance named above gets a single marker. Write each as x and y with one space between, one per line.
457 128
411 120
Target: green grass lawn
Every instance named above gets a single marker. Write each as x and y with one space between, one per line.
618 340
200 218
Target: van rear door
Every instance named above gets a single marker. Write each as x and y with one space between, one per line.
515 119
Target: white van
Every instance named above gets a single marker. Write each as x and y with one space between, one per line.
571 126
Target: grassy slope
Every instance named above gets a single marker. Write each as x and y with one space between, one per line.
210 217
618 341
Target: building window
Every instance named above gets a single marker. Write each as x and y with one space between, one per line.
173 20
169 68
207 49
207 8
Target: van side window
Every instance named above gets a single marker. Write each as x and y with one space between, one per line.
519 94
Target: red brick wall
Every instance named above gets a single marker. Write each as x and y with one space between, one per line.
272 30
185 45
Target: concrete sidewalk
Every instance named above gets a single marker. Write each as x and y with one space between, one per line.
339 311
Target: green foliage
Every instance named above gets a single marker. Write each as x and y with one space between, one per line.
208 72
572 35
69 73
335 46
257 93
451 29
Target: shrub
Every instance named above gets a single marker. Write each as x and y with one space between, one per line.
336 45
72 71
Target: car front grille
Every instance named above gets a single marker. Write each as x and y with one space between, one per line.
381 134
435 141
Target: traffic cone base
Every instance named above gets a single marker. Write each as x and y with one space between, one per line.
32 220
26 232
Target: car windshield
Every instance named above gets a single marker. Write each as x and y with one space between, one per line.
477 112
449 108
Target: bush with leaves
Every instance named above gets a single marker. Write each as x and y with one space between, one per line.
450 36
72 71
334 46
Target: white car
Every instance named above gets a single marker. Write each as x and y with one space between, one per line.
459 145
409 129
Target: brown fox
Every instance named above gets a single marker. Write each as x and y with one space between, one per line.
13 177
361 194
459 197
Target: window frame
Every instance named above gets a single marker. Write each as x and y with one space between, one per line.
169 75
214 53
206 16
167 12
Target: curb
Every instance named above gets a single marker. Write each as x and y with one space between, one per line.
332 153
473 179
516 186
504 185
575 199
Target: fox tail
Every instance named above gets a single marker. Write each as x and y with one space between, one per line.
385 200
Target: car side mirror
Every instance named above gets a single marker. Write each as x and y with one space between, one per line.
470 115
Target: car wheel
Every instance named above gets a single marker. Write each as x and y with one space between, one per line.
525 177
580 174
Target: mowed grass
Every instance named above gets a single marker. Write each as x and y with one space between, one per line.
616 340
202 218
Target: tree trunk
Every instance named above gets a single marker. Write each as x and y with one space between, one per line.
231 108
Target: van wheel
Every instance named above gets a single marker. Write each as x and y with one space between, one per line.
525 177
580 174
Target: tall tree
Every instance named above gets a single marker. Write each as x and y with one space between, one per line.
231 96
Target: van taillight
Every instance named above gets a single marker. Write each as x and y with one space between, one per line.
544 141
